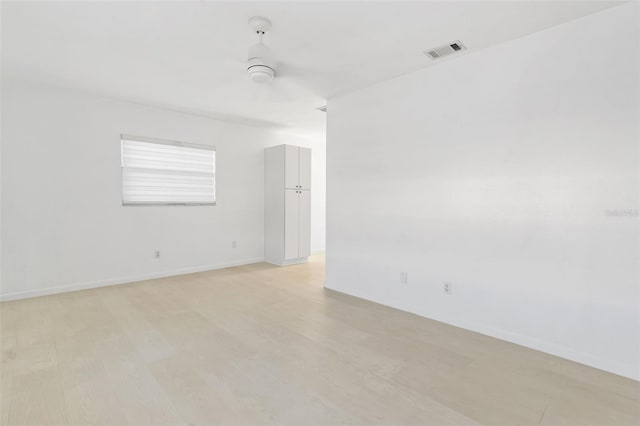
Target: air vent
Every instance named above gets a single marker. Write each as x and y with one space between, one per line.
445 50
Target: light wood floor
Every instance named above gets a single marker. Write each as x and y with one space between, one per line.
265 345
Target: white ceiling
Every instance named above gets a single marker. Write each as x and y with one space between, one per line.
190 56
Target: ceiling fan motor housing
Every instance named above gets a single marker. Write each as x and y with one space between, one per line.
260 64
260 73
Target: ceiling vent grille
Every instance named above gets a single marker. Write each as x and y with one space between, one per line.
445 50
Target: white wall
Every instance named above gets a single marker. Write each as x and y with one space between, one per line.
63 223
511 172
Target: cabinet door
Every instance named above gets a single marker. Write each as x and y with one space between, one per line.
291 223
291 167
304 231
304 168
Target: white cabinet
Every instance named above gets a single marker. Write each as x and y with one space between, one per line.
291 166
291 224
297 165
287 204
304 221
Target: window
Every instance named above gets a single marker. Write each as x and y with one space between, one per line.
165 172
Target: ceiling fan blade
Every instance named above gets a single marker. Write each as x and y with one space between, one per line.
306 79
267 92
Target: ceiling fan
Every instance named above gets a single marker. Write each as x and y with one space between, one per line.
270 79
260 62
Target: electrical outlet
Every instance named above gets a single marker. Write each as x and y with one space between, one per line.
234 244
447 288
404 278
157 254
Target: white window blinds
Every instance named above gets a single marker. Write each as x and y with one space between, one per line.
165 172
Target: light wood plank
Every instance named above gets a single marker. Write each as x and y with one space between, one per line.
260 344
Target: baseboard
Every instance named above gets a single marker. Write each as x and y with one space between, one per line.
628 371
288 262
122 280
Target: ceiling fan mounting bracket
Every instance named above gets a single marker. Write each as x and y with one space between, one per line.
260 24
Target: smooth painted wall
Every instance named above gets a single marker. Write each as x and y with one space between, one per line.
513 174
64 226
